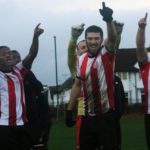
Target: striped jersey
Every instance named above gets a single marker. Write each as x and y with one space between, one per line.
97 77
12 98
145 74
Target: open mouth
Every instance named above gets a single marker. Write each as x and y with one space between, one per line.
9 61
93 46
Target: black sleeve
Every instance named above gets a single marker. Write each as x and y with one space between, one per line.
44 111
122 97
37 100
119 95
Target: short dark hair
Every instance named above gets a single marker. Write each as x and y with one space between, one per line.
15 51
94 28
16 55
1 47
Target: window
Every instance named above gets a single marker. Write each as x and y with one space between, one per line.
126 95
124 75
139 75
126 98
119 74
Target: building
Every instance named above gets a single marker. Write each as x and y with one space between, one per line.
126 68
60 94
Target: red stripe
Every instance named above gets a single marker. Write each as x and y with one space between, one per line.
145 74
23 72
108 63
83 76
12 101
21 98
95 88
81 94
78 126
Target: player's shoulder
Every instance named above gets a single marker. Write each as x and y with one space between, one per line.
82 57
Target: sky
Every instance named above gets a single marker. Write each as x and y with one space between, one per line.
19 17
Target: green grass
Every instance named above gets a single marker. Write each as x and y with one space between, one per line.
133 133
63 138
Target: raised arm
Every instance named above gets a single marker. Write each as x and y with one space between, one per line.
76 31
141 51
28 60
119 28
107 13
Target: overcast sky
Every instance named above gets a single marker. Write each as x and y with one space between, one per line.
19 17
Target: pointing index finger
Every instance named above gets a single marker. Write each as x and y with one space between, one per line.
103 4
38 25
146 16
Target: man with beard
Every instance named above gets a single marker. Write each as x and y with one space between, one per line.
95 73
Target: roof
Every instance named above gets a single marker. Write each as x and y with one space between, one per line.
125 61
66 85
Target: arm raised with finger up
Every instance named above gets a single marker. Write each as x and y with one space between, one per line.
107 13
141 51
28 60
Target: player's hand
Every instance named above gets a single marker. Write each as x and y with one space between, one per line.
38 31
69 118
142 22
106 12
119 27
76 31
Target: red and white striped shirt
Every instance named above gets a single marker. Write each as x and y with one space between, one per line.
145 74
12 98
97 75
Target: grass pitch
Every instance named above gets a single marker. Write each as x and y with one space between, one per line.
133 137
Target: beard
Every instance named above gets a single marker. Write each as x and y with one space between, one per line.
93 50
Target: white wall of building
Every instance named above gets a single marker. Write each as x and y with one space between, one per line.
133 87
